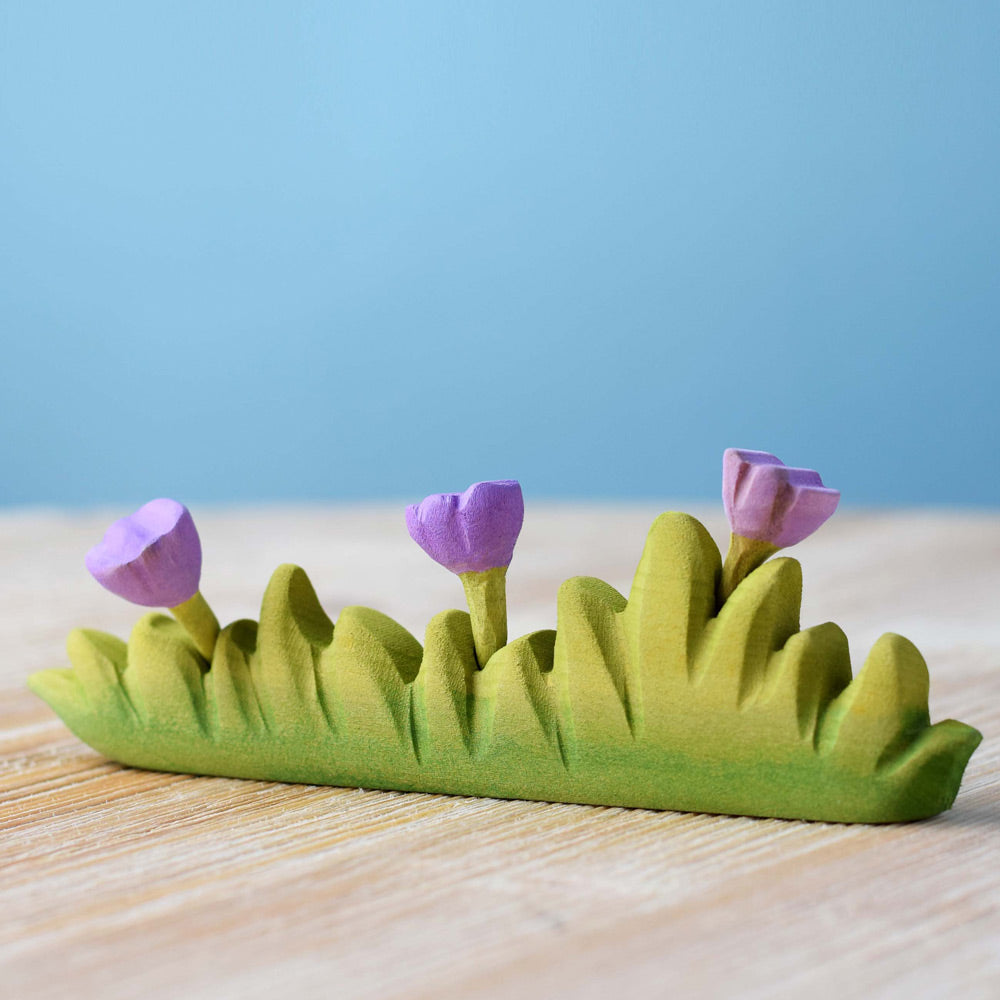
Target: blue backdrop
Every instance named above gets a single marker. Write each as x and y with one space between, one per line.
343 250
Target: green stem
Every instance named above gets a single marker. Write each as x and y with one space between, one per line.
743 557
486 595
200 621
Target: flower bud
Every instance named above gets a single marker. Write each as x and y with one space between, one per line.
151 557
767 501
469 532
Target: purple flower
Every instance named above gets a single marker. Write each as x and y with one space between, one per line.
469 532
768 501
151 557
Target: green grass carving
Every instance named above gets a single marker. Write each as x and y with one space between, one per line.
662 701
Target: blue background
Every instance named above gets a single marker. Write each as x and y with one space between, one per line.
346 250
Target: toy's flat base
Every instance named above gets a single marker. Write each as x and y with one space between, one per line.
639 777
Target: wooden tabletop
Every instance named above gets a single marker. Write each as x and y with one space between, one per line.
117 883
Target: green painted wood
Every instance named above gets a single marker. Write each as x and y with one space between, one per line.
664 701
486 596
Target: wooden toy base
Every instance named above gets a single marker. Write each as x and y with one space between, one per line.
662 702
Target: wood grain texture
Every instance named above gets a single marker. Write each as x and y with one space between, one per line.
120 883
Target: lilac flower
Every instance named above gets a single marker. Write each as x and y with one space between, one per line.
770 502
769 507
469 532
473 534
151 557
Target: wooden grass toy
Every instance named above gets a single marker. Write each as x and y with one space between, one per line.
699 692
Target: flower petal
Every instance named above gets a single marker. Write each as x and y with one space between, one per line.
807 509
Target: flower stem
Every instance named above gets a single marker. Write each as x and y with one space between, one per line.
200 621
486 595
743 557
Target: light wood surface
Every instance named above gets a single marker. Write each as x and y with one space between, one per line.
117 883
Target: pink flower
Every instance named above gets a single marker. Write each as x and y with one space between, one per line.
770 502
